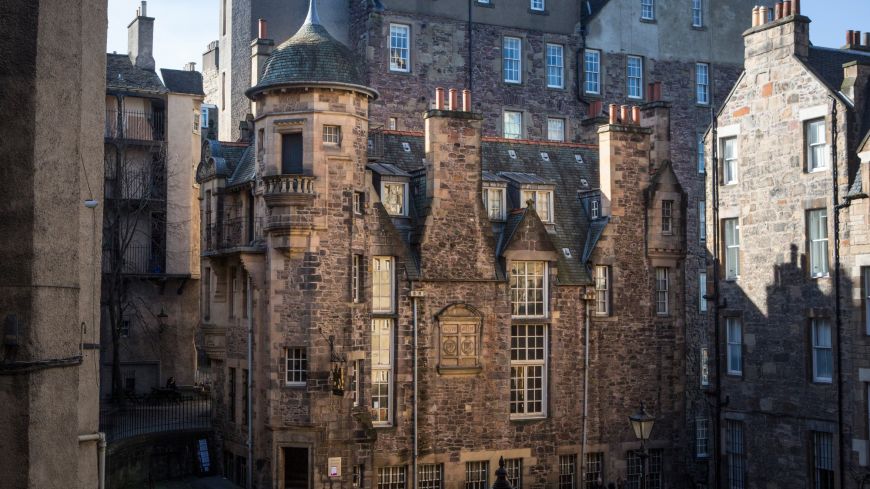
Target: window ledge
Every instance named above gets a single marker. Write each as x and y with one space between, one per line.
816 277
735 375
459 370
295 385
818 170
549 87
539 12
606 319
527 418
699 28
822 382
705 105
400 72
484 5
648 21
380 426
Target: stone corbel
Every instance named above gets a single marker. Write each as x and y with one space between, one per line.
255 266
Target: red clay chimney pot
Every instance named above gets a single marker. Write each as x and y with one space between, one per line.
439 98
612 114
796 7
453 101
261 28
635 115
849 36
624 114
786 8
466 100
777 11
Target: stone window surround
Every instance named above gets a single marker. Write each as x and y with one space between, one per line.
734 314
547 66
522 65
822 316
723 133
806 115
709 83
628 58
288 126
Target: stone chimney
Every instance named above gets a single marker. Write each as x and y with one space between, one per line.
457 223
623 163
211 58
770 40
261 48
856 78
657 117
140 39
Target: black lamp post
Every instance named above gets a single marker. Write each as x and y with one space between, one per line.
642 424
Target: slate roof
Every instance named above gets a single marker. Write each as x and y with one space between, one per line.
388 170
828 63
122 74
590 9
223 159
564 170
246 170
183 81
311 56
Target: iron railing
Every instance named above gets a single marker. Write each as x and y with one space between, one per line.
135 125
376 143
159 412
233 232
136 260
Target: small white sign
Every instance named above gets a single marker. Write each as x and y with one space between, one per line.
334 467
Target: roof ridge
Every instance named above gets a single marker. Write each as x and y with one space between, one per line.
496 139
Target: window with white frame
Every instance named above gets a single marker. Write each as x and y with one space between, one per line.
383 284
511 64
634 469
297 366
568 471
358 202
393 196
823 367
702 291
537 5
494 201
594 474
634 75
602 290
702 83
357 476
647 9
732 248
592 71
667 216
528 370
555 65
823 460
393 123
736 454
594 209
543 201
702 221
400 51
476 475
513 124
654 478
817 227
700 153
356 278
555 129
814 134
382 371
702 437
331 134
865 280
391 477
431 476
729 154
734 338
662 286
514 469
697 13
528 289
355 381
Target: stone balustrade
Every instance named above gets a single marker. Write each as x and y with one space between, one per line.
288 189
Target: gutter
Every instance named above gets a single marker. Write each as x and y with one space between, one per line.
100 438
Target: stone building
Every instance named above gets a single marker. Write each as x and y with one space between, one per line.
385 308
52 55
788 253
151 219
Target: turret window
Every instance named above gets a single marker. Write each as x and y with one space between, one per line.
291 153
332 134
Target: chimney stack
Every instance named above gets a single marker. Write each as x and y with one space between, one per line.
261 48
789 35
867 39
453 101
191 66
140 40
261 29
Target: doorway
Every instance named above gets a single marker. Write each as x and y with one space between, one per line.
296 475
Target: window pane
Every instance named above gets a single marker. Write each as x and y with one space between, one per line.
701 153
818 237
556 129
394 198
554 65
382 284
732 249
592 69
635 77
511 59
702 83
697 14
399 48
647 9
528 369
513 124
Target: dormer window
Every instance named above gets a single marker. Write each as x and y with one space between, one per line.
594 209
543 202
667 216
494 201
394 196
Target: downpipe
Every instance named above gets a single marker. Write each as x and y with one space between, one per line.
416 433
250 384
100 438
585 383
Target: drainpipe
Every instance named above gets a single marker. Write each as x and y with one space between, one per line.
416 433
717 406
100 438
585 382
835 196
470 51
250 384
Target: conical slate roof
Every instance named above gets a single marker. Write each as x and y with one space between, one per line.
311 57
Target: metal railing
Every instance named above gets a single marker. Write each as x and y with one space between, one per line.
136 125
232 233
161 412
137 259
376 143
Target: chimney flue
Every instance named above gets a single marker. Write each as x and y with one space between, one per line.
856 38
142 10
762 15
261 29
796 7
849 35
635 115
624 114
191 66
453 100
466 100
786 8
867 39
439 98
777 11
755 16
612 119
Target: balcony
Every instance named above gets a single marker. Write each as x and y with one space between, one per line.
232 234
137 260
284 190
159 413
134 125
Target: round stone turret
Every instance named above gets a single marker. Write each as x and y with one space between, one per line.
311 58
